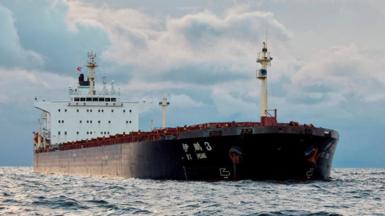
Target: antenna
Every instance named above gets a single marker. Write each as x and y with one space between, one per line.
112 87
164 104
105 91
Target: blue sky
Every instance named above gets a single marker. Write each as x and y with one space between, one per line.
328 67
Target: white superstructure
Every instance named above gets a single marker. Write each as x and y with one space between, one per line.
86 114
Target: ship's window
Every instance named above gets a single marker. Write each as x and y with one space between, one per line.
62 121
59 121
101 132
130 122
130 110
77 132
77 110
65 110
87 132
91 121
90 132
58 132
90 110
108 99
113 99
94 99
102 110
65 132
98 110
109 121
76 99
89 99
108 132
124 110
87 121
82 99
101 99
80 121
99 121
112 110
58 110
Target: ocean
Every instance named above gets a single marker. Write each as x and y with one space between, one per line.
350 192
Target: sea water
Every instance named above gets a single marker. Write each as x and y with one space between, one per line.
349 192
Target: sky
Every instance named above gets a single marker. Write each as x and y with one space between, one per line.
328 67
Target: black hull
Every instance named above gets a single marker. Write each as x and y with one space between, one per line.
227 154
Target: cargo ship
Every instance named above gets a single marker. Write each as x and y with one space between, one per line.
97 134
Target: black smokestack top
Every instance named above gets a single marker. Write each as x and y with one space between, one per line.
82 82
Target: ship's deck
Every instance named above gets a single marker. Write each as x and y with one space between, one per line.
166 133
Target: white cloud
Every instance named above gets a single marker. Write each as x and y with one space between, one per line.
11 51
156 45
339 74
184 101
20 86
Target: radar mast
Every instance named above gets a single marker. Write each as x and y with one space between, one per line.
91 65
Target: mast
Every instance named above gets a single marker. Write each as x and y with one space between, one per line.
164 103
264 59
91 65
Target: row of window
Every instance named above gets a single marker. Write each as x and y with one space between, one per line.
88 133
95 99
90 121
90 110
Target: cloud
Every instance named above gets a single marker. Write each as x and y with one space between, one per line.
19 86
339 74
11 51
39 27
184 101
158 46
